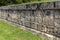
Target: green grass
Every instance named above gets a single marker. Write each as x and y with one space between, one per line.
9 32
42 1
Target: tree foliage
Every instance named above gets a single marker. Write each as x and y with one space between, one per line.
7 2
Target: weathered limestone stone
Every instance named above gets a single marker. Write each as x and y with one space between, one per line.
21 6
44 17
57 19
31 6
57 4
46 5
48 18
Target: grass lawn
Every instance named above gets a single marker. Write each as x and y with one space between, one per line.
9 32
32 2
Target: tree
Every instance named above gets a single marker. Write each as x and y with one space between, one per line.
26 1
7 2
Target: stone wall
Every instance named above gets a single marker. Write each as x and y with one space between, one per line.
44 17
